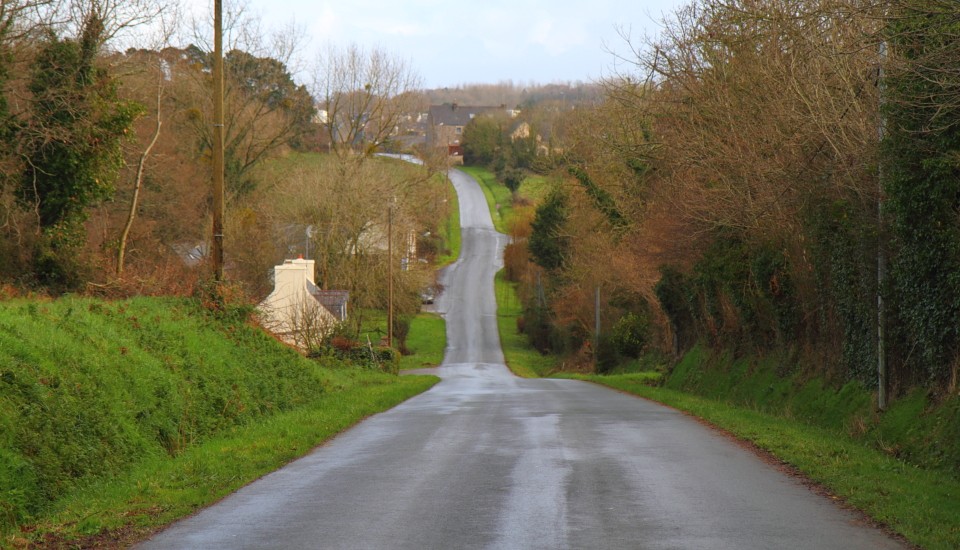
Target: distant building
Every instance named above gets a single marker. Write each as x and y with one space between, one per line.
445 125
191 254
522 131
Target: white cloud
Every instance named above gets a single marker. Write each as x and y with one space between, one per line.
326 22
394 27
557 37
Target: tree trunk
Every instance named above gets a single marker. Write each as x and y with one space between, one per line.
138 182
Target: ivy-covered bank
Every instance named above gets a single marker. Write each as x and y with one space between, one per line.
921 178
916 428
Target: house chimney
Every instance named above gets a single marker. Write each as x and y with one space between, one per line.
293 275
306 266
288 279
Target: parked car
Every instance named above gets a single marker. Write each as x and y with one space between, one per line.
428 295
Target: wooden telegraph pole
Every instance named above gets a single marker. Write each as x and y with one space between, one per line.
881 255
218 207
390 275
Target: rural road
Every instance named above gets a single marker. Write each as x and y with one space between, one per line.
487 460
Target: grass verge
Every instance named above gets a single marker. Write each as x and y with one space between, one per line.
922 505
451 231
520 356
426 341
499 198
125 509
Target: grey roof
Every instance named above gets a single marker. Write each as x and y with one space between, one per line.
451 114
334 300
190 253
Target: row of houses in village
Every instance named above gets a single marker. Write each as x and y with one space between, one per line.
446 124
441 127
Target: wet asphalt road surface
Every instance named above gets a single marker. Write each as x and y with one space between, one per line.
488 460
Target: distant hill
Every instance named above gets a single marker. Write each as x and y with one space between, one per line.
516 95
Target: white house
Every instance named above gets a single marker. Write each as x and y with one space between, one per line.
297 311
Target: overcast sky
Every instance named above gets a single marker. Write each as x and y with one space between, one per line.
451 42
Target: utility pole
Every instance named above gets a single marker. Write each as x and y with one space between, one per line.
881 254
596 329
218 207
390 275
596 309
541 299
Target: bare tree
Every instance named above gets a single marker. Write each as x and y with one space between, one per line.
120 16
933 63
741 119
759 104
266 110
348 213
167 24
364 96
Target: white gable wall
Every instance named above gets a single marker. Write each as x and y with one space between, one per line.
291 311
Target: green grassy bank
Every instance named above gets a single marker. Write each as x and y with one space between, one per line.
520 356
451 231
915 428
117 417
426 342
